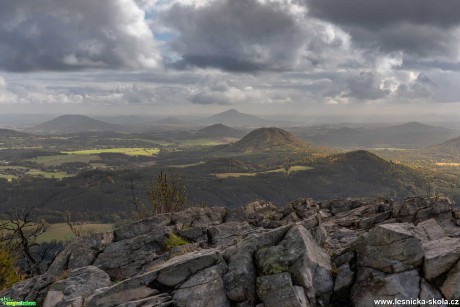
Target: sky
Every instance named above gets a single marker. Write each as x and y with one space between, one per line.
178 57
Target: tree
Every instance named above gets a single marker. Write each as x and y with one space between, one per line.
20 234
167 194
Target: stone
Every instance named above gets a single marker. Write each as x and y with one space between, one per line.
298 254
228 233
142 227
345 277
391 248
372 284
80 252
451 286
206 288
277 290
440 256
427 292
241 276
430 230
74 289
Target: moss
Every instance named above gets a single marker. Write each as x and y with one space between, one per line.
276 268
174 240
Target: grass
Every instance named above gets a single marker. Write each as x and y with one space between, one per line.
174 240
292 169
57 175
60 159
134 151
447 164
62 232
186 165
204 142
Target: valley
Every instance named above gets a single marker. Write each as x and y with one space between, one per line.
92 167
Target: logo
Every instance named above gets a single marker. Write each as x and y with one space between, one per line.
7 301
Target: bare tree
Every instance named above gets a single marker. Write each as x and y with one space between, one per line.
20 234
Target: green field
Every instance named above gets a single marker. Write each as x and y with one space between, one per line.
62 232
134 151
297 168
187 165
207 142
60 159
57 175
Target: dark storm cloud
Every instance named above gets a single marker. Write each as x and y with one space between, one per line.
68 35
365 86
377 13
236 35
423 28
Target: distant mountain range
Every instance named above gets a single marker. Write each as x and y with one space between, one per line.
408 135
73 124
234 118
218 130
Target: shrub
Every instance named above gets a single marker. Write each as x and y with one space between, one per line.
174 240
8 272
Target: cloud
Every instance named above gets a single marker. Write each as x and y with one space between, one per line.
366 86
249 35
73 35
420 28
421 87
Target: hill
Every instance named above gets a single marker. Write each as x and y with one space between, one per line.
408 135
449 146
218 130
170 121
266 139
11 133
235 119
73 124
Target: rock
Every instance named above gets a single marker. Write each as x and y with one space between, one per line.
441 205
159 300
277 290
430 230
345 277
427 292
391 248
241 276
451 286
80 252
206 288
180 268
199 217
299 255
74 289
124 259
142 227
440 256
228 233
372 284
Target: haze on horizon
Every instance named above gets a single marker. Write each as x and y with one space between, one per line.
350 59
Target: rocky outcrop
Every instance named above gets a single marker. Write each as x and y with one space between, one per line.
307 253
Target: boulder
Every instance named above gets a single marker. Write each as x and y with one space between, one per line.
451 286
440 256
372 284
241 276
74 289
80 252
206 288
142 227
391 248
298 254
277 290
